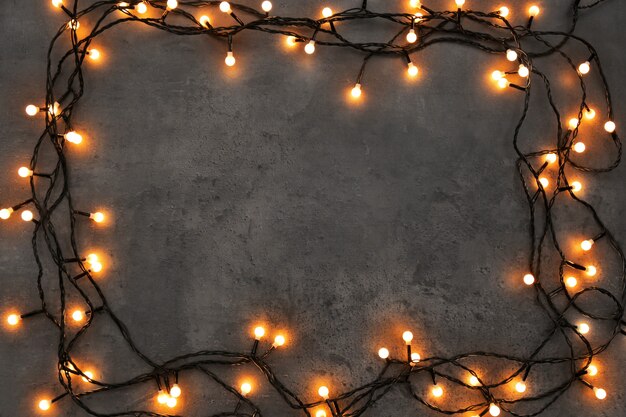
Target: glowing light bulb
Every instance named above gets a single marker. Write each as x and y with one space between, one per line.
73 24
266 6
591 270
573 123
171 402
609 126
291 41
172 4
13 319
600 393
73 137
123 4
142 8
511 55
309 48
44 405
279 341
24 172
27 215
412 70
590 113
323 392
523 71
592 370
544 182
356 91
57 3
411 37
497 75
78 315
54 109
259 332
529 279
96 267
246 388
415 357
579 147
576 186
571 282
230 59
91 258
504 11
162 397
175 391
94 54
437 391
327 12
383 353
97 217
407 337
205 20
32 110
418 16
533 10
88 376
583 328
473 381
503 83
320 413
584 68
459 3
225 7
551 158
494 410
520 387
5 213
415 4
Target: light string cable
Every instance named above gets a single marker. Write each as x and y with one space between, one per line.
489 32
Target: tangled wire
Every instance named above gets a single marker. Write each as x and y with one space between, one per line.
489 32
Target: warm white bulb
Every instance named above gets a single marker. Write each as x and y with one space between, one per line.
73 137
459 3
590 113
592 370
551 158
437 391
142 8
13 319
494 410
412 70
600 393
583 328
571 282
504 11
78 315
407 337
323 392
609 126
356 91
520 387
415 3
97 217
523 71
497 75
175 391
88 376
266 6
529 279
591 270
162 397
32 110
415 357
171 402
94 54
503 83
544 182
230 59
576 186
172 4
473 380
57 3
320 413
327 12
225 7
383 353
44 405
309 48
579 147
533 10
279 341
27 215
573 123
511 55
259 332
24 172
73 24
5 213
584 68
291 41
411 37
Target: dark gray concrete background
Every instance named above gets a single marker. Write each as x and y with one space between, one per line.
261 194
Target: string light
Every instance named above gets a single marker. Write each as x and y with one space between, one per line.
523 71
579 147
407 336
459 3
327 12
24 172
583 328
571 282
415 357
94 54
246 388
520 387
259 332
473 381
27 215
175 391
73 137
600 393
592 370
162 397
172 4
78 316
383 353
609 126
323 392
32 110
576 186
279 341
411 37
88 376
320 413
266 6
529 279
309 48
171 402
225 7
511 55
416 4
591 270
205 21
573 123
590 114
13 319
544 182
44 405
412 70
584 68
142 7
73 24
97 217
230 59
551 158
494 410
57 3
497 75
6 213
504 11
533 10
356 91
437 391
291 41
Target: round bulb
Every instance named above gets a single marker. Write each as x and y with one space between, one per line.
533 10
591 270
44 405
88 376
57 3
529 279
279 340
27 215
94 54
327 12
5 213
411 37
205 20
412 70
175 391
523 71
576 186
73 137
497 75
383 353
609 126
459 3
511 55
259 332
320 413
266 6
520 387
544 182
592 370
571 282
415 357
600 393
504 11
96 267
171 402
309 48
97 217
503 83
78 315
91 258
73 24
172 4
24 172
551 158
291 41
583 328
437 391
474 381
584 68
225 7
246 388
415 4
13 319
323 392
162 397
494 410
573 123
407 337
579 147
142 8
32 110
230 59
356 91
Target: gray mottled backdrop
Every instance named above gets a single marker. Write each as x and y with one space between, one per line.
261 194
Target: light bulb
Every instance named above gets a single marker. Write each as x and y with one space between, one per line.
407 337
123 4
259 332
533 10
44 405
551 158
32 110
171 402
266 6
13 319
459 3
5 213
27 215
497 75
97 217
205 20
356 91
590 113
520 387
54 109
418 16
576 186
73 137
246 388
78 315
511 55
291 41
327 12
383 353
544 182
437 391
323 392
25 172
309 48
584 68
73 24
94 54
415 357
600 393
571 282
579 147
162 397
230 59
415 4
279 341
57 3
494 410
583 328
96 267
91 258
142 8
411 37
573 123
609 126
504 11
320 413
473 381
592 370
503 83
412 70
88 376
175 391
529 279
172 4
523 71
225 7
591 270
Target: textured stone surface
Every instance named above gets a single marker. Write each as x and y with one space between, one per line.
260 194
